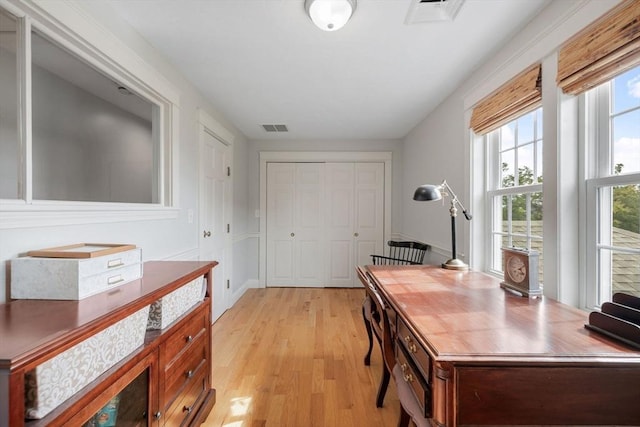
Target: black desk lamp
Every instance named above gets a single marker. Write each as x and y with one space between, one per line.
427 193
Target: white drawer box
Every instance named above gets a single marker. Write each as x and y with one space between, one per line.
59 378
72 278
173 305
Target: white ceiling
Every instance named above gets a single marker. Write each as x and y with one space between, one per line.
264 62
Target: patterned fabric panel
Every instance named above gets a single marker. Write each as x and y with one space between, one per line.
168 308
57 379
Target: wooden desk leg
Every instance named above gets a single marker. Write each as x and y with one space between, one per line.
441 398
367 326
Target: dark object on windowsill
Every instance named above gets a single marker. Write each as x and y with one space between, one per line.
619 319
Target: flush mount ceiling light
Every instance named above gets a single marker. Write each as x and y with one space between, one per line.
330 15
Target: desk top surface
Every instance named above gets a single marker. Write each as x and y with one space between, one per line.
466 316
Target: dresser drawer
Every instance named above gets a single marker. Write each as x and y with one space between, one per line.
184 368
414 350
185 335
419 386
183 408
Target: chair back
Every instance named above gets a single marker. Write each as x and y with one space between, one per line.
402 253
380 323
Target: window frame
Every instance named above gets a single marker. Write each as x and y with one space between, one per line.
90 43
595 120
494 190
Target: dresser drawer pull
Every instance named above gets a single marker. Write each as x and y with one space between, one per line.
410 344
189 374
115 263
157 415
408 377
187 409
188 338
115 279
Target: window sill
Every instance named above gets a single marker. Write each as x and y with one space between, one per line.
17 214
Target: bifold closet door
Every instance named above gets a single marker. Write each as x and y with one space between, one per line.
295 224
323 219
354 210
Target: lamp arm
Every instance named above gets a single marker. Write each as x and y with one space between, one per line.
455 200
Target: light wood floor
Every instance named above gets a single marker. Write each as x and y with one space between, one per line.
294 357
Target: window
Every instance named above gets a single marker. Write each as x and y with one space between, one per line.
9 141
79 132
92 138
514 183
613 188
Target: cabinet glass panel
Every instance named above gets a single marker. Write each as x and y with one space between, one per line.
128 408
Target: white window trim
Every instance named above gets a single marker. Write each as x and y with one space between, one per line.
90 41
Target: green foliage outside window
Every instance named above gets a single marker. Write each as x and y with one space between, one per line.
519 202
626 205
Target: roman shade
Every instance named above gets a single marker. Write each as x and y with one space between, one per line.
604 49
518 96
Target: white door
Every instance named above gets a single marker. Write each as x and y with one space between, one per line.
295 224
355 218
215 210
369 212
340 221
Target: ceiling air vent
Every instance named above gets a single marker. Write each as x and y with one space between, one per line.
275 128
433 10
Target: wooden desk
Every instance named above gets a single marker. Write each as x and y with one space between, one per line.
495 358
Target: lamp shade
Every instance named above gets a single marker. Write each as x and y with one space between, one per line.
427 192
330 15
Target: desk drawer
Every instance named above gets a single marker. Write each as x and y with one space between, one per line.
415 350
416 381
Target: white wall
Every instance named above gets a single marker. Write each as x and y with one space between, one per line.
440 147
159 239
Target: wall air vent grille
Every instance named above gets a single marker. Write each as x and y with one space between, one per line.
275 128
432 10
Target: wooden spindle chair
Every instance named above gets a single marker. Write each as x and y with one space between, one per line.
385 334
402 253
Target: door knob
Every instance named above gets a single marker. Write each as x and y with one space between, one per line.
206 233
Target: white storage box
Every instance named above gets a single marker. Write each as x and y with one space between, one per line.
168 308
59 378
72 278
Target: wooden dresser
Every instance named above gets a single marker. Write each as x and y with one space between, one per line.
166 381
475 354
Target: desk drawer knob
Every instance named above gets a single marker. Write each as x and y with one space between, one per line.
157 415
189 374
188 338
410 344
187 409
408 377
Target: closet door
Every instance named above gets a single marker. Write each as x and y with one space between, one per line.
369 212
354 206
340 221
295 224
